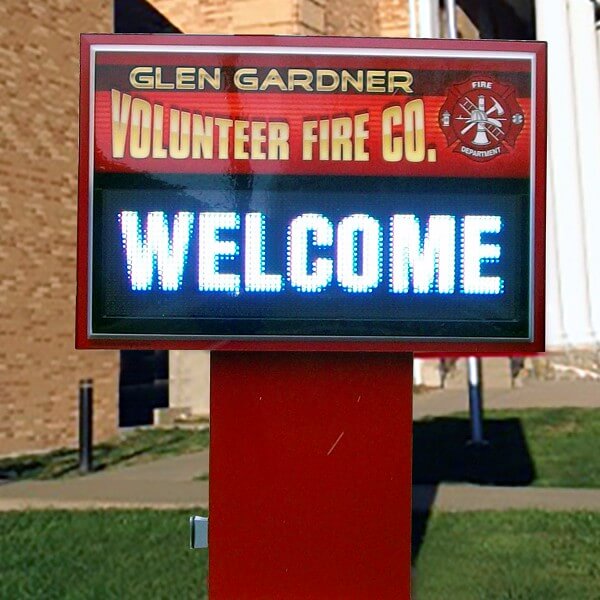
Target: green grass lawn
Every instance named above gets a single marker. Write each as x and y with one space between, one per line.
564 444
133 555
516 555
140 445
100 555
559 447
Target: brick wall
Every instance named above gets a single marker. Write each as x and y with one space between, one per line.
39 368
352 17
312 15
198 16
304 17
394 18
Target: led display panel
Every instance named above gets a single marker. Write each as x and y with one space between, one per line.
311 193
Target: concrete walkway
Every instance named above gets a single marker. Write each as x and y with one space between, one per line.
466 498
166 483
543 394
173 482
138 487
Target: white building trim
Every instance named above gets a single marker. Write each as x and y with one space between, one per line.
573 303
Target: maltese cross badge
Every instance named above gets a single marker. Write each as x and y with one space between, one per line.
481 118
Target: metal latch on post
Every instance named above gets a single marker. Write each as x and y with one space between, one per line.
198 532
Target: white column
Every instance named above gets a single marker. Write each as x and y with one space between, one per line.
556 336
586 71
189 380
571 255
429 19
418 371
413 19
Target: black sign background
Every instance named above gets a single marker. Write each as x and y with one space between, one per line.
333 313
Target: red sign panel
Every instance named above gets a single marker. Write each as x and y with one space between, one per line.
311 193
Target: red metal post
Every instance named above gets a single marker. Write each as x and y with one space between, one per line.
310 475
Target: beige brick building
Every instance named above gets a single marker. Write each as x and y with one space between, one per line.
39 368
39 64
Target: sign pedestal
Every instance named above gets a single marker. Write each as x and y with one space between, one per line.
310 475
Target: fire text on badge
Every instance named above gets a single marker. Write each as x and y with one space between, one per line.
482 118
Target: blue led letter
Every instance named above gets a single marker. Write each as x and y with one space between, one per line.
256 280
347 253
422 260
474 253
212 249
145 250
321 270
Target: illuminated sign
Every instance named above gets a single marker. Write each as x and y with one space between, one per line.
239 194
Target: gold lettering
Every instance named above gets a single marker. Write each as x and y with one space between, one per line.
120 119
245 79
223 125
300 78
142 78
341 143
158 149
361 134
391 145
357 82
180 133
140 134
273 78
241 138
376 81
279 135
322 86
158 82
202 137
400 80
308 139
324 139
257 131
184 78
414 130
205 77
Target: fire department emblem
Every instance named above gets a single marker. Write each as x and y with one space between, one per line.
481 118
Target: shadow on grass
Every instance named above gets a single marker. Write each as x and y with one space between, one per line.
139 446
442 453
34 466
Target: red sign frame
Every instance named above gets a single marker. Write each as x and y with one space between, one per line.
279 45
